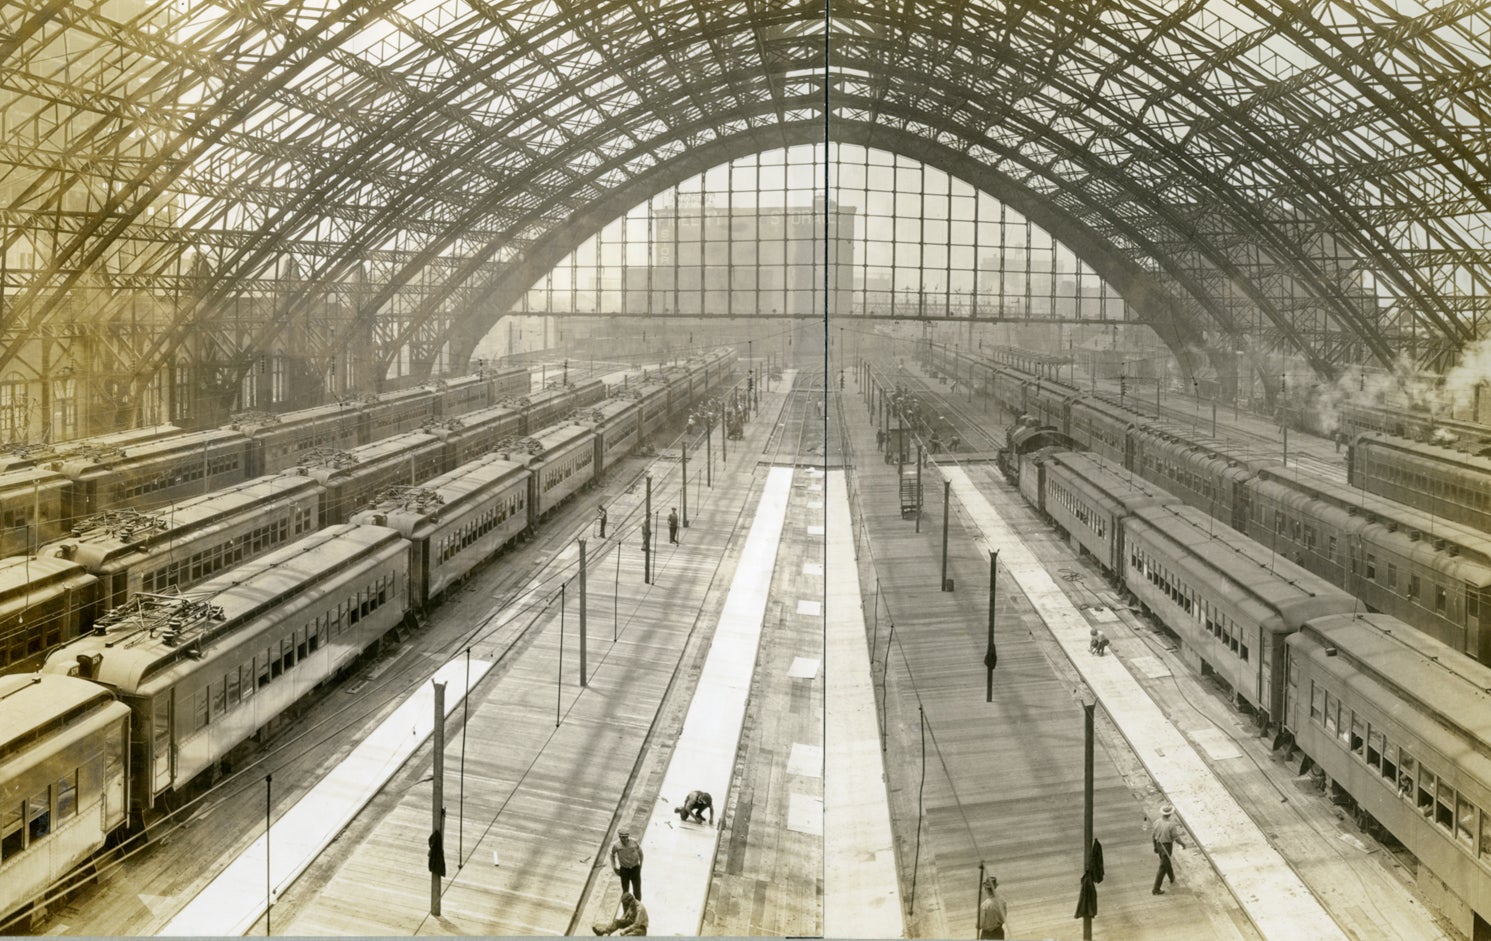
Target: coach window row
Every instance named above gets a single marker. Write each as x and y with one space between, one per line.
205 564
484 523
616 439
184 473
1217 624
1466 494
1416 784
556 475
23 822
43 626
239 683
1078 508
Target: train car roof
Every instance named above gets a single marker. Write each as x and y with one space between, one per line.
557 436
1381 507
28 477
176 445
395 396
444 495
100 538
1397 518
344 462
25 581
608 410
467 421
1121 487
34 704
154 638
1443 453
263 424
1448 692
1218 556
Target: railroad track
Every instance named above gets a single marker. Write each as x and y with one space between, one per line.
331 719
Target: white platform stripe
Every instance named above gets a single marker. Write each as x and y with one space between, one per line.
1278 903
678 857
232 902
861 894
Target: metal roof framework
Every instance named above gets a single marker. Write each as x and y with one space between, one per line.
1295 177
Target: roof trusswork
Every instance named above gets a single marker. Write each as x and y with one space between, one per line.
1307 175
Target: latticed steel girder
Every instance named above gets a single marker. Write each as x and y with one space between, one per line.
1241 167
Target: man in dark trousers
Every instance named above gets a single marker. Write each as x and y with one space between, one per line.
626 860
694 806
1166 838
673 526
992 910
600 513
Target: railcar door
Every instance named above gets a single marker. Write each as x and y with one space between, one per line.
1478 621
162 755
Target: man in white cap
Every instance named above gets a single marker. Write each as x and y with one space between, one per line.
626 860
1166 837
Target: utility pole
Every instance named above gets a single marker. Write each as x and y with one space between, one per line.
647 536
991 658
437 810
947 490
583 680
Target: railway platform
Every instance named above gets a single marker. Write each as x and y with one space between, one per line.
1364 890
553 769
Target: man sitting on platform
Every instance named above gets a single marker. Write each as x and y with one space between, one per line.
633 919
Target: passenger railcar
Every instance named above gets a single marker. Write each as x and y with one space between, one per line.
282 441
547 406
455 522
1103 428
462 394
1431 477
469 436
618 431
561 460
1428 572
132 551
1089 498
392 413
653 398
202 674
1401 723
43 602
1230 601
155 472
34 506
350 479
1201 474
1357 418
63 780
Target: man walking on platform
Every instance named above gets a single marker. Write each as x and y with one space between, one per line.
673 526
626 860
1166 838
992 911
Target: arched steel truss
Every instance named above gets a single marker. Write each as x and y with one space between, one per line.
1252 174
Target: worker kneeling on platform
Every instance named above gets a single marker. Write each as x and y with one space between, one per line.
1097 642
631 921
694 806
